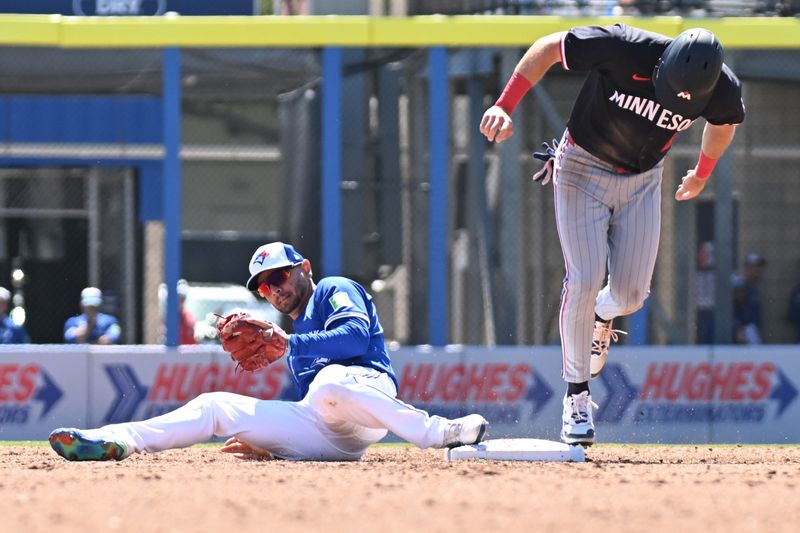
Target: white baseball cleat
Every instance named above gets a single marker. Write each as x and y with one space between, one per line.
577 424
603 334
470 429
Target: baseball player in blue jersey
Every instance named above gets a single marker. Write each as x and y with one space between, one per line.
338 361
641 89
10 332
92 326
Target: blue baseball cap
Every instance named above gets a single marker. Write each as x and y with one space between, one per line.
269 257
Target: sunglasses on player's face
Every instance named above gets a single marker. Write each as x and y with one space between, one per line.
276 278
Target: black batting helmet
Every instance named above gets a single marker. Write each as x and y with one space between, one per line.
687 72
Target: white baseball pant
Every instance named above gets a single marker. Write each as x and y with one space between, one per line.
604 220
347 408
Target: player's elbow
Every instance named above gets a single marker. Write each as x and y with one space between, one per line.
357 334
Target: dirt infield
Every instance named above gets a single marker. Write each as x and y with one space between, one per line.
403 489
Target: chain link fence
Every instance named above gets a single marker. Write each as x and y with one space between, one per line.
251 166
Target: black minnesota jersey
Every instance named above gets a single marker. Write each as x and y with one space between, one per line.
616 116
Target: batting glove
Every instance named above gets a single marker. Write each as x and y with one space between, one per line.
547 156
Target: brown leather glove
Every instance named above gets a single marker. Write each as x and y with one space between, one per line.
252 343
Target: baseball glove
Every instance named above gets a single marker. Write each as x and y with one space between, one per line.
252 343
547 156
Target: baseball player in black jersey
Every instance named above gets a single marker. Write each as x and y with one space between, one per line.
641 89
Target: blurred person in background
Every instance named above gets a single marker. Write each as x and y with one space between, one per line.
10 332
187 319
745 327
747 314
92 326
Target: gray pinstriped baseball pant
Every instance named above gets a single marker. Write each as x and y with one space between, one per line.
606 222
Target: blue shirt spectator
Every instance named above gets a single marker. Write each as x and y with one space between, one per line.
10 332
92 326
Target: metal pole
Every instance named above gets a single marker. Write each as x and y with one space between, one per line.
331 161
724 246
513 317
484 230
93 208
172 189
438 117
129 257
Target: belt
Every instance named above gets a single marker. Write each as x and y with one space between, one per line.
571 142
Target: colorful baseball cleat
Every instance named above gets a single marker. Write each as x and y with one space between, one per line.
577 424
73 445
470 429
602 336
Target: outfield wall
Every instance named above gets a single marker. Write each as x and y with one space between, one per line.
670 395
361 31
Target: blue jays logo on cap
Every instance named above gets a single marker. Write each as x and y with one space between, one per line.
269 257
260 258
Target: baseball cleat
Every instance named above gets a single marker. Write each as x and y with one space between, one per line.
601 339
73 445
470 429
577 424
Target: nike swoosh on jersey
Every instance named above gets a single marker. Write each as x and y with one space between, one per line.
636 77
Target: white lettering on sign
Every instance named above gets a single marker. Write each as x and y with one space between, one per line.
118 7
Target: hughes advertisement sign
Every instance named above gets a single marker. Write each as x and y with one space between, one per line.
669 395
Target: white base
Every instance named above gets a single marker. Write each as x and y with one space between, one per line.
517 450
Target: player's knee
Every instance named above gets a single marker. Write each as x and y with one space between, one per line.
328 396
584 284
207 398
207 401
632 301
211 408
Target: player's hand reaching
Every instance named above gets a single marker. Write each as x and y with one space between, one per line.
690 186
243 450
496 124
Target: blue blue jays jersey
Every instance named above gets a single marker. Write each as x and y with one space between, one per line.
338 326
104 325
10 333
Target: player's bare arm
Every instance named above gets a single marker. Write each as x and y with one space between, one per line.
716 139
496 123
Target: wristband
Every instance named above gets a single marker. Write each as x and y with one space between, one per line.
705 165
288 351
515 89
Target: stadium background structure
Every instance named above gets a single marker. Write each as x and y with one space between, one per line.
334 34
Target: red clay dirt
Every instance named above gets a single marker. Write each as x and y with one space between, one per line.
404 489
